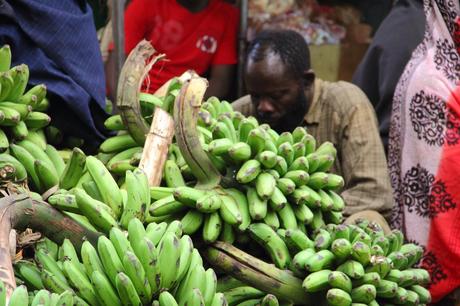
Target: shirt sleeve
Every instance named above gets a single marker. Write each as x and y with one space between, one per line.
226 53
136 23
363 162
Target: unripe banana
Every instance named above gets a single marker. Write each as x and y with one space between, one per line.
257 206
248 171
265 185
126 290
135 271
104 289
274 245
316 281
105 183
340 280
109 258
168 259
229 211
212 227
338 297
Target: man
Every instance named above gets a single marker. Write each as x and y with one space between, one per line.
199 35
391 48
284 92
59 44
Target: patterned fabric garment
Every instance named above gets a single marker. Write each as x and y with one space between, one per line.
424 148
341 113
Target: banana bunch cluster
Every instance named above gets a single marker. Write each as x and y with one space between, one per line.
153 263
280 180
22 297
357 264
21 111
90 194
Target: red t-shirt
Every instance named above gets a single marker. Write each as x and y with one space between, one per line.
190 40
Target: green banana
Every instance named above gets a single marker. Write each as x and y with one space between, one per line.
46 175
126 290
73 169
338 297
36 120
229 210
269 240
168 259
80 282
90 259
109 258
117 143
135 271
94 210
257 206
56 159
265 185
19 297
172 174
352 268
104 290
29 273
105 183
364 294
248 171
317 281
19 131
340 280
5 58
212 227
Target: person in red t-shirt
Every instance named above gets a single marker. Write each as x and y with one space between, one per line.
199 35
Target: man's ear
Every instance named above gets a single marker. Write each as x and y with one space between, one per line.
308 77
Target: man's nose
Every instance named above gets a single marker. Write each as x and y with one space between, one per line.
265 106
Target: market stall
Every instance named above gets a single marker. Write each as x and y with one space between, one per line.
237 214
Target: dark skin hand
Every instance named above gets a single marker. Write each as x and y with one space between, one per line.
280 99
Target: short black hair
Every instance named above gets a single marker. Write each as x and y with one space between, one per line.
288 44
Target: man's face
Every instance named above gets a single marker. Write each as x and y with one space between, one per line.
278 97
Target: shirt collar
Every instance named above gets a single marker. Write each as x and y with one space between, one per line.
314 112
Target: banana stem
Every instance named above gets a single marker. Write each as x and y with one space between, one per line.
21 212
254 272
186 108
129 83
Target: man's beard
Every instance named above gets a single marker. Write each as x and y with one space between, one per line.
294 117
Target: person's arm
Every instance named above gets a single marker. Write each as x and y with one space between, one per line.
220 80
364 167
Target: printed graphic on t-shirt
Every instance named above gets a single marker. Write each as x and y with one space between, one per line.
207 44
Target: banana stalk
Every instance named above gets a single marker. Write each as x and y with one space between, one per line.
254 272
186 108
20 212
131 77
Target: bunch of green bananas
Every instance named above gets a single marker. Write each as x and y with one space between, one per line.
21 111
357 264
156 262
22 297
280 180
90 194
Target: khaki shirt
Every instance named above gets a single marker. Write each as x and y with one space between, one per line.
341 113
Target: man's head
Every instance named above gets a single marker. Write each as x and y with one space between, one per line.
278 78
